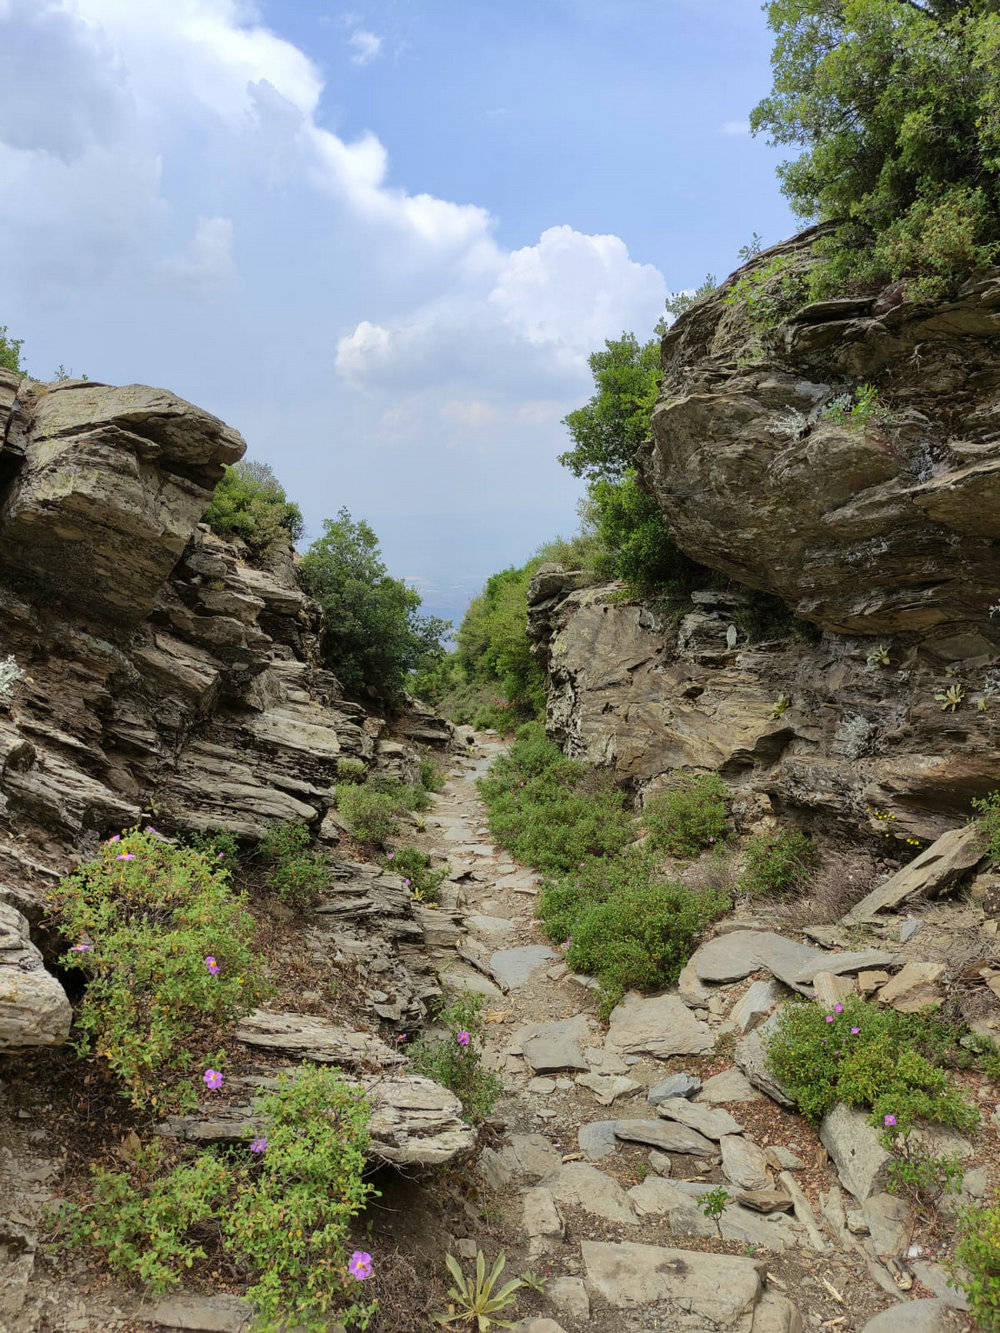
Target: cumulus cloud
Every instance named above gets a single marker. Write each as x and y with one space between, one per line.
207 267
365 46
736 128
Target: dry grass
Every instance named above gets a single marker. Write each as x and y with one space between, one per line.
841 880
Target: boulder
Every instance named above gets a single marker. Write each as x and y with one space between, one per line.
913 988
662 1026
665 1135
706 1120
922 1316
861 1161
735 955
718 1290
942 865
34 1009
674 1085
308 1037
743 1163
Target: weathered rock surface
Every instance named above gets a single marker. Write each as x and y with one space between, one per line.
661 1026
34 1009
707 1120
734 955
686 1289
953 855
310 1038
666 1135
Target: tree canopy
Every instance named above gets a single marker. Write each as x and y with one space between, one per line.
608 429
250 503
896 104
10 350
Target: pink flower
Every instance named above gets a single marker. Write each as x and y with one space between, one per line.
150 829
79 948
406 882
401 1037
889 1120
220 856
125 856
390 856
211 964
838 1008
829 1018
855 1031
258 1145
213 1079
462 1038
116 838
360 1265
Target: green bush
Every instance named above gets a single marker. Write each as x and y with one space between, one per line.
608 430
976 1267
373 634
635 542
457 1064
769 292
868 1057
217 845
373 809
10 350
493 647
351 770
297 875
250 503
689 816
290 1218
282 1215
431 775
144 917
146 1221
550 811
776 863
415 866
988 825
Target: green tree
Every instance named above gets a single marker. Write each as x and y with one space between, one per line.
679 302
250 503
608 430
10 350
637 545
896 104
373 633
493 644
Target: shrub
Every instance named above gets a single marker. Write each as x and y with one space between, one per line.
351 770
608 430
250 503
10 350
777 862
373 810
640 936
289 1220
146 1221
297 875
636 545
988 824
431 776
888 1066
282 1218
689 816
976 1267
493 647
145 916
457 1064
216 844
769 292
415 866
373 634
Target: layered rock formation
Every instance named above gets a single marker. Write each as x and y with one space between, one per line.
882 533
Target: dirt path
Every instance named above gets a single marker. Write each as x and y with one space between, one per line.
604 1219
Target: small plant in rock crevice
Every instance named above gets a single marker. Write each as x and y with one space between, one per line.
950 698
988 824
421 878
713 1205
455 1059
781 706
297 875
374 809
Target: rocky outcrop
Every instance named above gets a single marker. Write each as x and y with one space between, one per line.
34 1010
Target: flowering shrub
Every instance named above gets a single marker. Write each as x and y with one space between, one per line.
976 1267
144 916
689 816
455 1060
415 867
282 1215
877 1059
297 875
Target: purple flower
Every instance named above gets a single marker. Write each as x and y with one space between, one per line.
360 1265
889 1120
116 838
855 1031
211 964
219 856
150 829
711 839
390 856
125 856
829 1018
258 1145
463 1038
406 882
79 948
213 1079
401 1037
838 1008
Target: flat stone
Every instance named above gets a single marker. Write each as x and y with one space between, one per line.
550 1047
765 1200
751 1056
775 1313
490 926
513 967
542 1086
853 1144
705 1119
569 1296
734 956
783 1159
743 1162
729 1086
678 1202
913 987
597 1139
530 1156
209 1314
660 1162
310 1037
913 925
674 1085
34 1008
886 1215
540 1216
718 1290
935 1279
831 989
661 1026
870 981
666 1135
937 868
607 1088
587 1187
753 1006
930 1316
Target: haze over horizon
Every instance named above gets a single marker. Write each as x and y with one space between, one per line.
381 241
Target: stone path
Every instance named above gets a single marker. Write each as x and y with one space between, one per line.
614 1130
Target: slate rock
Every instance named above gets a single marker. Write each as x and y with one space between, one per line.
674 1085
743 1162
666 1135
719 1290
597 1139
928 1316
551 1047
941 865
706 1120
728 1086
661 1026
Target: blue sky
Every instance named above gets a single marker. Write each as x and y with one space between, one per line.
379 239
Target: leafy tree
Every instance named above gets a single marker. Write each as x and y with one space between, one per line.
679 302
250 503
10 350
637 545
493 644
608 430
372 632
896 104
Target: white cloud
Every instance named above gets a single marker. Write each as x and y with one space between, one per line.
366 46
208 266
735 128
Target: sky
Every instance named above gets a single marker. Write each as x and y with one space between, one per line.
381 240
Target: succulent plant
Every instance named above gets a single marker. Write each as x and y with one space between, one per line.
950 698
